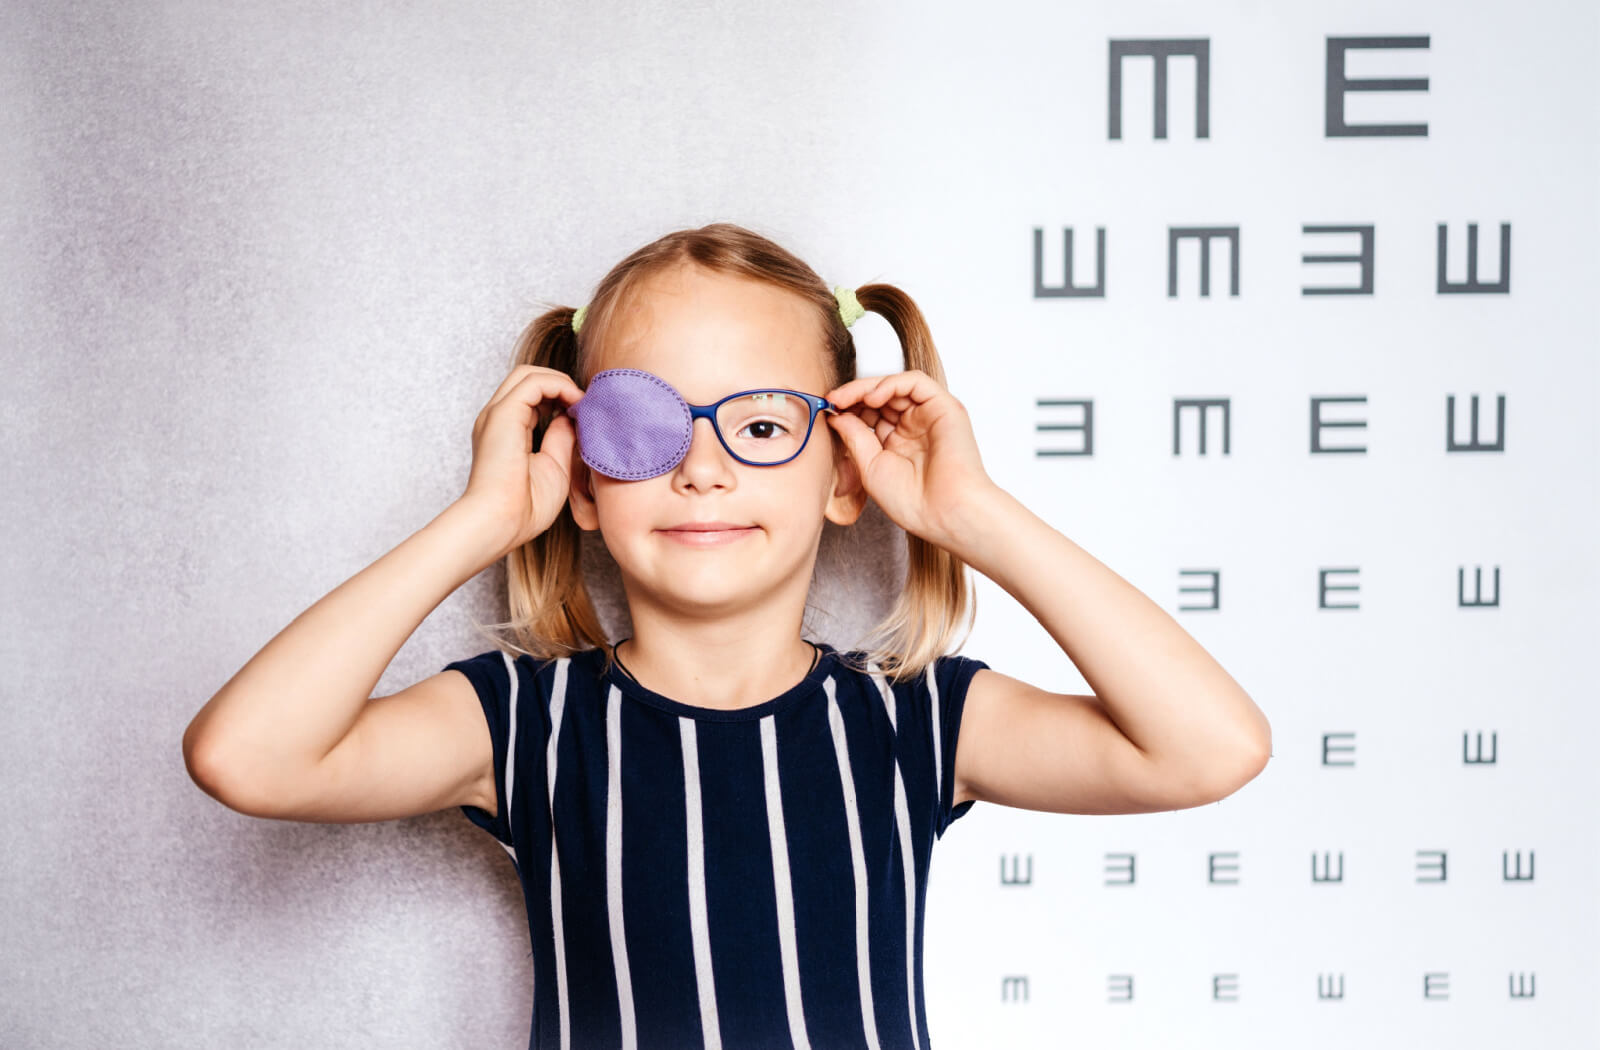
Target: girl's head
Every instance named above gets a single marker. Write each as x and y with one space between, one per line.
713 311
708 335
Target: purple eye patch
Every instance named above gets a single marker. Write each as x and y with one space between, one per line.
631 425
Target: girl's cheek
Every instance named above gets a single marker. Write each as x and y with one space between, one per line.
627 505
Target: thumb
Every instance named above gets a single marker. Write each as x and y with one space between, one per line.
559 439
858 438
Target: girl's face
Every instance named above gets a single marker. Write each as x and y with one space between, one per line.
709 335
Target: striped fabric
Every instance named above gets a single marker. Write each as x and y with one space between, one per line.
722 879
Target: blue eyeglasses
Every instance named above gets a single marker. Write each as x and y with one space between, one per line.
633 425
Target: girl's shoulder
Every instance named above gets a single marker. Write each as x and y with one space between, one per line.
948 669
501 670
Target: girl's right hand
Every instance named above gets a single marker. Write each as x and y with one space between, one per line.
522 490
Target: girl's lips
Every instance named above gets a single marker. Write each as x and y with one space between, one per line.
704 536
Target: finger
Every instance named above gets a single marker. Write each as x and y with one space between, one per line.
512 378
558 441
915 387
557 385
848 394
550 383
874 390
858 438
540 385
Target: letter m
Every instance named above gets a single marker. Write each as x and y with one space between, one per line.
1199 49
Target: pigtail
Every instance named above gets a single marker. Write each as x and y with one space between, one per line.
937 600
551 611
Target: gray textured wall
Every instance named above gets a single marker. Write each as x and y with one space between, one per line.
261 268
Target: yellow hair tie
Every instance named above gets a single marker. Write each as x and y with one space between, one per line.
578 316
850 309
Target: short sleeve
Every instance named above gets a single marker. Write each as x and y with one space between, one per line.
493 677
947 680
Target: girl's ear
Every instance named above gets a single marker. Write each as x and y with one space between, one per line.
849 496
580 497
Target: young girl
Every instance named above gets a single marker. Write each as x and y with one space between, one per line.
723 829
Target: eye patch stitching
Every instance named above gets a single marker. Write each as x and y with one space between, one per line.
683 446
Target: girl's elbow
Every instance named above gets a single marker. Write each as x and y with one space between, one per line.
1255 750
1225 773
1250 765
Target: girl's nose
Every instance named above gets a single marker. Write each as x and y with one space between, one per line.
707 464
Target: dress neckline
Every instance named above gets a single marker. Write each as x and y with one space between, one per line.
807 686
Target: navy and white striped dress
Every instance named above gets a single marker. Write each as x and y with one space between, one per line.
722 879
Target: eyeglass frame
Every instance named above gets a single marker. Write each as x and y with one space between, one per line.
816 402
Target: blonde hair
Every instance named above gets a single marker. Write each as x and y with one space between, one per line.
551 611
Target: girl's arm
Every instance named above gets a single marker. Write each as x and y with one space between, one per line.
1166 728
260 744
292 735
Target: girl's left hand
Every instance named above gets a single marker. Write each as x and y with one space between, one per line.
914 448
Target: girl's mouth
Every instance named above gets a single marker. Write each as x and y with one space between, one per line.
707 533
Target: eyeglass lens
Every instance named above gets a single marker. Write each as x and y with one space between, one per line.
766 426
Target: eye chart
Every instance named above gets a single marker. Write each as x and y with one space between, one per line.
1287 317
